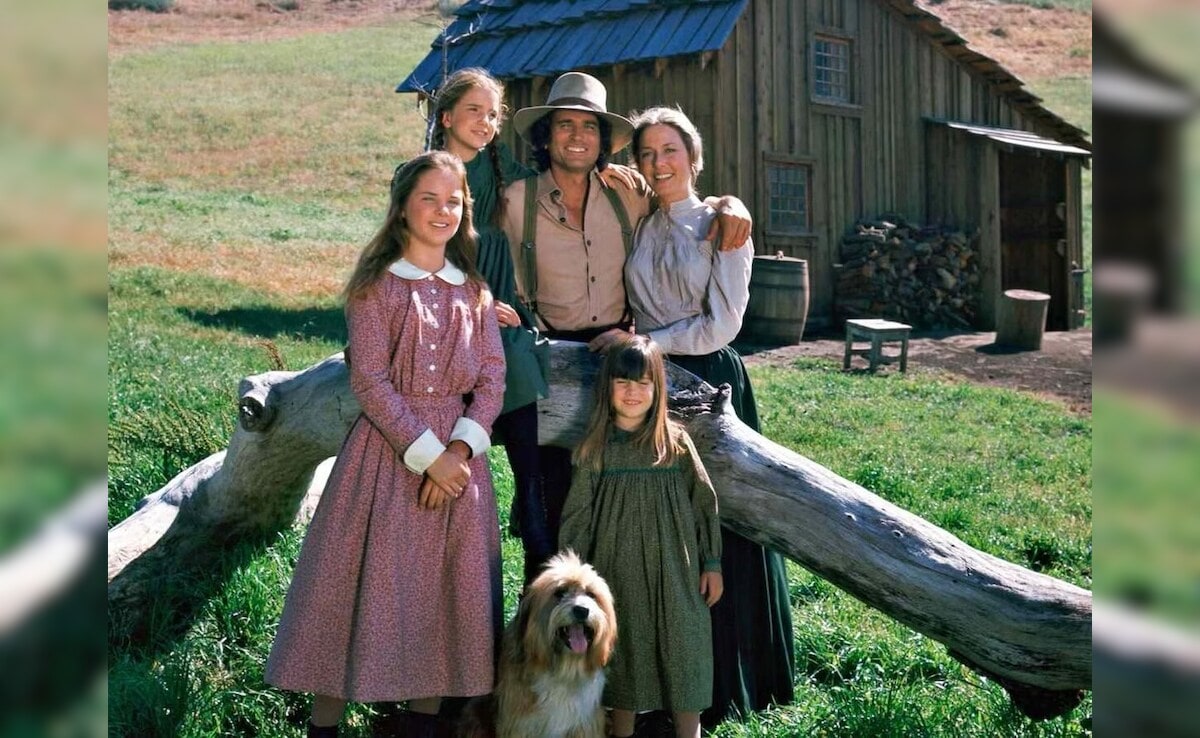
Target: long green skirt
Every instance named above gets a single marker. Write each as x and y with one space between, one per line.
753 658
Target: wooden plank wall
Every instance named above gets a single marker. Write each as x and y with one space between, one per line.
754 98
987 216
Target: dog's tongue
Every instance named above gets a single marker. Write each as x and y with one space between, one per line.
577 638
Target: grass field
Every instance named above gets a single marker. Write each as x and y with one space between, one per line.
243 180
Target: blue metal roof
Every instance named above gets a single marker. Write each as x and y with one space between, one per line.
515 39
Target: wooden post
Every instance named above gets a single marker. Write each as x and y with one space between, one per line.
1022 319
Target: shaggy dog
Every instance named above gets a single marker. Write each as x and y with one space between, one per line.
552 657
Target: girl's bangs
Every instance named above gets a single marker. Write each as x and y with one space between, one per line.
630 362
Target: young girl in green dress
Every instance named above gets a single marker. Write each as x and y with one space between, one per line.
643 512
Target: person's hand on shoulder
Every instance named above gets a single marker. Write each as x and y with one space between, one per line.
733 223
628 177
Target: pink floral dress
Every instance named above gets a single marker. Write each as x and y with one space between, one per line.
390 602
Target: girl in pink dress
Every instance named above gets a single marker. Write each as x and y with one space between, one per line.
396 595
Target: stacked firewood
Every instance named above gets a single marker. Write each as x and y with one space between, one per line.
927 277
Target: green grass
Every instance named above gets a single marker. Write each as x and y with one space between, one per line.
200 218
178 345
1005 473
1146 467
1068 97
1192 194
212 116
52 320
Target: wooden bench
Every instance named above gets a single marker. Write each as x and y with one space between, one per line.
876 331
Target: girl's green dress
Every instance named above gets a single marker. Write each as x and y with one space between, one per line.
650 531
525 380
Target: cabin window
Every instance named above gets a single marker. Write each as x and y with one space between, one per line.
831 69
789 188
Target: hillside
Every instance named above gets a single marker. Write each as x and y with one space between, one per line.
1052 40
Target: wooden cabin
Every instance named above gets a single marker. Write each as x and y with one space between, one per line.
817 113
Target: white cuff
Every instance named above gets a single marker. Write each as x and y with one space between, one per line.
472 434
422 452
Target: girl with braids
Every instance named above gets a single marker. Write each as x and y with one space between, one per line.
467 112
466 119
396 594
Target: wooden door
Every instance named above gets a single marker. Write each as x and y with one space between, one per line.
1033 230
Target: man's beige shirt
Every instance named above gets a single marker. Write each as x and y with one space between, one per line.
580 282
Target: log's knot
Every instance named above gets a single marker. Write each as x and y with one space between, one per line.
689 401
253 415
720 401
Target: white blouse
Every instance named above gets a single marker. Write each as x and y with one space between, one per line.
686 295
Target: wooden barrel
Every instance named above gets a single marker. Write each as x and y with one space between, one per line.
778 305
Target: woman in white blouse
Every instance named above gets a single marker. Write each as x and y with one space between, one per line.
690 298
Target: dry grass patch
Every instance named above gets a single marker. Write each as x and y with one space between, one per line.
198 21
303 271
1034 43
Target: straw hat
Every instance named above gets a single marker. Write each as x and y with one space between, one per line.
576 91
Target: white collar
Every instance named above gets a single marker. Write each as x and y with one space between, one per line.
448 273
691 202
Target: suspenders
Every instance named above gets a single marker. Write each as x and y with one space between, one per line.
529 245
529 239
622 217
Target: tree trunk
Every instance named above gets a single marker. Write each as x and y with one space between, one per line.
1030 632
1021 321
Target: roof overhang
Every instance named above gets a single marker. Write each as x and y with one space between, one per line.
1014 139
522 39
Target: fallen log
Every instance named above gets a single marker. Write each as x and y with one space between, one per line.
1030 632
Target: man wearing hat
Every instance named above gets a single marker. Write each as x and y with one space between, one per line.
569 236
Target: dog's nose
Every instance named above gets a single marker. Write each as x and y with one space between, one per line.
579 612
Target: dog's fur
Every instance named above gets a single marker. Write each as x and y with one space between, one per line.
544 687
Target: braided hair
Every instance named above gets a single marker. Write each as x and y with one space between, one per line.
452 90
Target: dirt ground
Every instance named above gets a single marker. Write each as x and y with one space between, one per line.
1060 371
